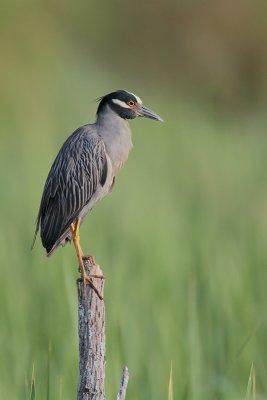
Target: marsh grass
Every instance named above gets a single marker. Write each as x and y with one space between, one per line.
182 241
170 386
32 387
251 387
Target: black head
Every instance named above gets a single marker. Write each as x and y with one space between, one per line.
126 104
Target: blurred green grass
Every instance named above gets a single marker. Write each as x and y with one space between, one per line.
182 240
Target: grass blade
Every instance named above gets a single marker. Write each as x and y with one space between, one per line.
61 388
48 371
251 386
170 387
33 392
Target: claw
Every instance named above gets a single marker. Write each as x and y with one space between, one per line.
97 276
87 280
91 259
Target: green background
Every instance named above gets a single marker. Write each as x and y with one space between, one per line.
182 239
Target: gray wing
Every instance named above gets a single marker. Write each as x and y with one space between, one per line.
78 170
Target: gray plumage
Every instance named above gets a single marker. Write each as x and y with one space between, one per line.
84 170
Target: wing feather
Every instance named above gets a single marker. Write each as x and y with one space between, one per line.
78 170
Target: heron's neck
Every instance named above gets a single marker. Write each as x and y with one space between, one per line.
116 134
109 118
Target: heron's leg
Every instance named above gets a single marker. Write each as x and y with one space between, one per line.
76 241
75 230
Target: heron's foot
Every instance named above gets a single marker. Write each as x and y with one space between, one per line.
94 264
97 276
91 259
87 280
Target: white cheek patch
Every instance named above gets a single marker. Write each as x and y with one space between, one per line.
139 101
120 103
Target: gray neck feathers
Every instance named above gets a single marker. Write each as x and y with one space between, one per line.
116 134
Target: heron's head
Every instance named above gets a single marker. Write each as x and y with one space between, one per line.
127 105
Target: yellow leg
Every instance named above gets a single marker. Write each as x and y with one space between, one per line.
87 279
75 230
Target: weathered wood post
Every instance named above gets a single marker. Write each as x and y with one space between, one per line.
123 385
91 330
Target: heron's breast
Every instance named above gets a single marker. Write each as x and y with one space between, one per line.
118 150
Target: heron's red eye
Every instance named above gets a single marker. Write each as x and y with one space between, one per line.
131 103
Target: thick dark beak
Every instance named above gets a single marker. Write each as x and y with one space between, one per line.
146 112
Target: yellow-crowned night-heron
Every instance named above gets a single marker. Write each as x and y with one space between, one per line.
84 171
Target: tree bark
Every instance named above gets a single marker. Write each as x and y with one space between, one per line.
91 329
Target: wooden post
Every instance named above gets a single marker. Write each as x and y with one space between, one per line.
124 383
91 330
